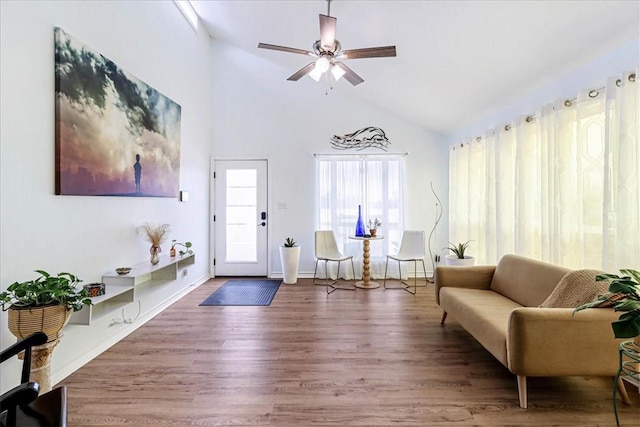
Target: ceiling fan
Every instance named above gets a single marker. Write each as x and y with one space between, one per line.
328 52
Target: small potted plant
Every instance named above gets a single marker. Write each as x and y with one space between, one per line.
623 296
185 245
373 226
289 258
459 258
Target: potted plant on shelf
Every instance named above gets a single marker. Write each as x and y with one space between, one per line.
458 258
373 226
186 245
289 258
623 296
43 305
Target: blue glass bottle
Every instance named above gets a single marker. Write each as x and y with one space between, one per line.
360 223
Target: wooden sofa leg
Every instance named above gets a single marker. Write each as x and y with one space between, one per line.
622 391
444 316
522 391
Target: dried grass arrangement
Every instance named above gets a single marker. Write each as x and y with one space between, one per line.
155 234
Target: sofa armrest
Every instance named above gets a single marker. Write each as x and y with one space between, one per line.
555 342
476 277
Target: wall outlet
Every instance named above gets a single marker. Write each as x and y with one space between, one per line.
185 272
437 258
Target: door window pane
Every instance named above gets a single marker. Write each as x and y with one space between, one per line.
241 214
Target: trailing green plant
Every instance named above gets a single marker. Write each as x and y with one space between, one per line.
459 249
623 296
289 242
186 245
46 290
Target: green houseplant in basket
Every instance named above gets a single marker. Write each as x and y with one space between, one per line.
623 296
43 304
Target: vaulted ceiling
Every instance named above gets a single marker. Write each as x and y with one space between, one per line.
457 61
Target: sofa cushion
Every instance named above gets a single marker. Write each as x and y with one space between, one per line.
526 281
484 314
576 288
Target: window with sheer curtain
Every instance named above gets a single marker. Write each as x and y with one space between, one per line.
375 183
561 186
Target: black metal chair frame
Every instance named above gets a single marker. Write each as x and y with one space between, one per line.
24 402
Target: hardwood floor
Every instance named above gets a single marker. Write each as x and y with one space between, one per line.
363 358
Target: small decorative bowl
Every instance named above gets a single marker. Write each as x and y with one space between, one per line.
123 270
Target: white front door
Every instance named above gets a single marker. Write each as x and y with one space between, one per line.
240 217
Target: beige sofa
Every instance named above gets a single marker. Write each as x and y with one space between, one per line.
500 307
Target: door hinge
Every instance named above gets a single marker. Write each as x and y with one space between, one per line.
214 261
214 175
214 218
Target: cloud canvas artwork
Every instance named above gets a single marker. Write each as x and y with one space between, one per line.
115 135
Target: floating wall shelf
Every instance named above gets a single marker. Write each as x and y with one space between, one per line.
120 290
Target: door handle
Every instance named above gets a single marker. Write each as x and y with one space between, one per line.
264 224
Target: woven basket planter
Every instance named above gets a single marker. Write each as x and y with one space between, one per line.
49 319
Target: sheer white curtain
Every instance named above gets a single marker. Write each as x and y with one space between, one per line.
375 183
562 185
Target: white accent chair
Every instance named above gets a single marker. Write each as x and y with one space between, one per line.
411 249
327 250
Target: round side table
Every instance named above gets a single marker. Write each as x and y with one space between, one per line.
366 282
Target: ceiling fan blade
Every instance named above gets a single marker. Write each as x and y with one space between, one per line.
285 49
302 72
349 74
327 32
368 52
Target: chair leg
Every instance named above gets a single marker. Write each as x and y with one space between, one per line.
384 282
353 272
424 270
326 279
622 391
332 285
406 285
522 391
444 316
403 285
315 270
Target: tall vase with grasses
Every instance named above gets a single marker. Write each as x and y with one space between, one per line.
156 236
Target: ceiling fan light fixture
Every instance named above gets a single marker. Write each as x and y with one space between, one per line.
315 74
322 64
327 50
337 71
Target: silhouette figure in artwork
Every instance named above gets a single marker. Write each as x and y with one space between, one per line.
137 169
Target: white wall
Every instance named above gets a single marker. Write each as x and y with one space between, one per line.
589 76
90 235
258 114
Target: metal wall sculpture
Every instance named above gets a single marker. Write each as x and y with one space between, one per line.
369 137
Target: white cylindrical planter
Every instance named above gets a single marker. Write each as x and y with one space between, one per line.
289 258
453 260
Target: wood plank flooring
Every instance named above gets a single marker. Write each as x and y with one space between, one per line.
364 358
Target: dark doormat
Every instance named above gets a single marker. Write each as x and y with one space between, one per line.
244 292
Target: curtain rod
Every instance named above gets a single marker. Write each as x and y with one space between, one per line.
361 155
593 93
